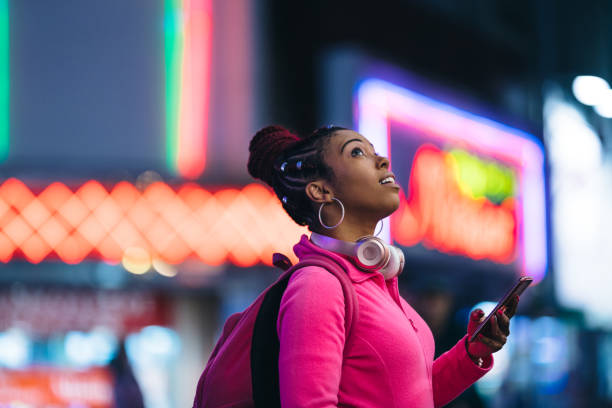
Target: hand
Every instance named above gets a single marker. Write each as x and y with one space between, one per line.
496 336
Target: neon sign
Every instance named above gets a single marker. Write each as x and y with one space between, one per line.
453 217
188 42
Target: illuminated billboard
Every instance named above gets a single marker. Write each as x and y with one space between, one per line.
472 187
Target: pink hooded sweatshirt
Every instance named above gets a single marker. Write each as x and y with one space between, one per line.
388 361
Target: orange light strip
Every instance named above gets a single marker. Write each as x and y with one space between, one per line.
244 226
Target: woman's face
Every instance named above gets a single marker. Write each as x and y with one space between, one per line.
361 177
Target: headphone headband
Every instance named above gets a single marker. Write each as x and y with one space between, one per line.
332 244
369 253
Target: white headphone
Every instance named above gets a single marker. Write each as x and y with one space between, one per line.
369 253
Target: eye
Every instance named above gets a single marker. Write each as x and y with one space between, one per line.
357 152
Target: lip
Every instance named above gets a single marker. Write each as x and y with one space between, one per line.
394 184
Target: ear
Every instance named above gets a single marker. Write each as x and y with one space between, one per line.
318 191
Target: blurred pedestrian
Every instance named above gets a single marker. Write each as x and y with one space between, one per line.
126 391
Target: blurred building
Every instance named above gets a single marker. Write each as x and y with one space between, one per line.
128 220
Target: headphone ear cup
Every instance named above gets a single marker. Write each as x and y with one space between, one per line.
395 265
372 253
402 259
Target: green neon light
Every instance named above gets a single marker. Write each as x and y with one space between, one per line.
4 80
173 45
480 178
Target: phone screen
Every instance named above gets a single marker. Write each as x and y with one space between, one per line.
518 288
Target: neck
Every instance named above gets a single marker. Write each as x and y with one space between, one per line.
349 231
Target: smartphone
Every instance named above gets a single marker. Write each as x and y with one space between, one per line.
518 288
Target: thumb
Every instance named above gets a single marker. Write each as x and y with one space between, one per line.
475 318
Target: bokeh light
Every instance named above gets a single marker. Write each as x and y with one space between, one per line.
15 348
589 89
136 260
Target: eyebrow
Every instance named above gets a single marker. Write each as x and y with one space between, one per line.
353 140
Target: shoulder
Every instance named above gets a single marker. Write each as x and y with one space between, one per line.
313 300
315 288
314 278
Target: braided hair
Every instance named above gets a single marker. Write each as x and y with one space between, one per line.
287 163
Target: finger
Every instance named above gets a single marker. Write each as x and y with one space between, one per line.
512 306
475 318
490 343
496 333
504 323
477 315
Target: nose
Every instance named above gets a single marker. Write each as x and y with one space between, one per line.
382 162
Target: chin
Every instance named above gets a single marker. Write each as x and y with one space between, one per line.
390 206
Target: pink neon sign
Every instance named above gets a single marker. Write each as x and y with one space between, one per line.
380 103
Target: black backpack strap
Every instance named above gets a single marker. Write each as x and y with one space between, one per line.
265 345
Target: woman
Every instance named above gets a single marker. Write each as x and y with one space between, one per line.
334 182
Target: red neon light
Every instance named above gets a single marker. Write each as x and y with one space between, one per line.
242 226
440 217
195 88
